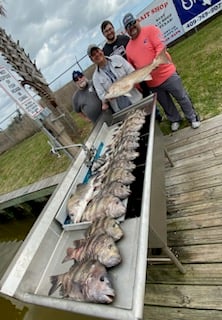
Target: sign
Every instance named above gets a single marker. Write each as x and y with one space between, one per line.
163 15
21 97
194 12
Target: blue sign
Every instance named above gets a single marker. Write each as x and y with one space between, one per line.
193 12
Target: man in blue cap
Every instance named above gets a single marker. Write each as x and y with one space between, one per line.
85 100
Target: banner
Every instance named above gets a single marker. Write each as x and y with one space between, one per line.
21 97
164 15
194 12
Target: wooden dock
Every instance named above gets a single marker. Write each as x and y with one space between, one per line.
33 191
194 229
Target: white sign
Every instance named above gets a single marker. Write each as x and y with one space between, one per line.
163 15
21 97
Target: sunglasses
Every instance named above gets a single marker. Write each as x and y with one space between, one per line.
77 78
129 25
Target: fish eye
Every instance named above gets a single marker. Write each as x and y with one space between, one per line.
110 246
102 278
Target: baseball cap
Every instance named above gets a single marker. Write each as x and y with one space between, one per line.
128 19
76 75
90 48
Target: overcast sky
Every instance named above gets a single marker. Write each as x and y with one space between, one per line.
56 34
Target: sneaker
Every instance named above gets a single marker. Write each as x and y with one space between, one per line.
175 126
195 124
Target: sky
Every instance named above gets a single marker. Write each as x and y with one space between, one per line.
56 35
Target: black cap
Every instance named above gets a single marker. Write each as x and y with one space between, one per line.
76 75
128 19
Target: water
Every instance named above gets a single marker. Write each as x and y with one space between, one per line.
12 232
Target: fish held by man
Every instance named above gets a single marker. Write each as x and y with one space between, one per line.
122 86
86 281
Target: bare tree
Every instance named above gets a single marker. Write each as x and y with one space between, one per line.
2 10
60 123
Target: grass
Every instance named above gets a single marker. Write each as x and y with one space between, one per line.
199 61
28 162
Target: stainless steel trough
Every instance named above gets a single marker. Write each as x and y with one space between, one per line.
40 256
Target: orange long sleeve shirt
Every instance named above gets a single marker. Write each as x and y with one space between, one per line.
142 50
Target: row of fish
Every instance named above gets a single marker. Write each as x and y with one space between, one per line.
88 278
112 175
101 201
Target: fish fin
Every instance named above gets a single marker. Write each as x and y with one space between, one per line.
148 77
162 57
78 243
69 254
56 282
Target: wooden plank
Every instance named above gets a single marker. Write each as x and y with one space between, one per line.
195 185
194 224
189 137
209 170
166 313
194 159
193 166
196 297
195 221
196 274
206 125
198 236
195 197
196 148
190 209
34 191
205 253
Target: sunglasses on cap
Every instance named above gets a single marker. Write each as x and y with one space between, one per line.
77 77
131 24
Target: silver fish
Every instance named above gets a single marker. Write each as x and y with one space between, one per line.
122 163
99 246
123 139
78 201
125 84
117 189
112 164
100 206
127 155
98 163
108 225
85 281
120 175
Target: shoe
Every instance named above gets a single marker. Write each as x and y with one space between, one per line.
175 126
195 124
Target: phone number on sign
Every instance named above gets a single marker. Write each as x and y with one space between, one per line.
203 16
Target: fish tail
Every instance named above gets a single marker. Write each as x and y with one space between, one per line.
162 57
56 282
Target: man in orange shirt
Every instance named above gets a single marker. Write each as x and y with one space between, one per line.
144 46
